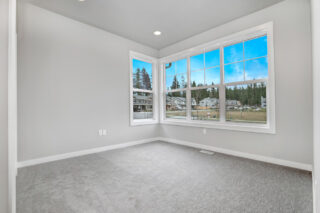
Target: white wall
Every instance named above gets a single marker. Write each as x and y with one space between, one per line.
3 106
293 74
73 79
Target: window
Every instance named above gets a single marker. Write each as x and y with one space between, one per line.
228 83
246 71
143 96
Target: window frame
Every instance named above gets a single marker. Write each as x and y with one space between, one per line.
269 127
154 91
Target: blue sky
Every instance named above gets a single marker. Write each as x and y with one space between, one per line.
141 64
237 59
254 69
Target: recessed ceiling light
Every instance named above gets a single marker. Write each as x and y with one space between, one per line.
81 0
157 33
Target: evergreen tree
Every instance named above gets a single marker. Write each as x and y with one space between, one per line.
175 83
138 79
247 95
146 82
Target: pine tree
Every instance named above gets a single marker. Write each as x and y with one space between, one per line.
175 83
138 79
247 95
146 82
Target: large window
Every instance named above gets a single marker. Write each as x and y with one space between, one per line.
143 96
228 83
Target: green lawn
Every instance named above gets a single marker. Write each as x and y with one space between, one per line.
176 114
247 116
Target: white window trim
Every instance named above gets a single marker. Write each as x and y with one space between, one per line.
270 127
154 91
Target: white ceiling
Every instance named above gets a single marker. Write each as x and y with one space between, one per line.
137 19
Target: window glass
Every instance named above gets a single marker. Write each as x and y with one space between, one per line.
213 76
205 104
255 48
181 66
176 105
142 74
256 68
169 82
175 84
212 58
176 74
197 78
142 105
233 72
233 53
246 103
197 62
170 69
182 79
255 62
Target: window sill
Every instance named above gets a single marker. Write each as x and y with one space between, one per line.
245 127
143 122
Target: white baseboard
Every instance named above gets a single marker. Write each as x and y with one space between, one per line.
271 160
302 166
82 152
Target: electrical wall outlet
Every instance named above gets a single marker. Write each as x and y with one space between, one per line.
100 132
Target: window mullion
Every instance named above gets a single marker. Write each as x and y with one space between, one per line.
204 67
244 62
143 90
205 87
222 88
188 95
246 82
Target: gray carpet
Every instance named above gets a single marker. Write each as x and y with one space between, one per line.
162 177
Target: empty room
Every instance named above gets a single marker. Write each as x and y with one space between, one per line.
145 106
